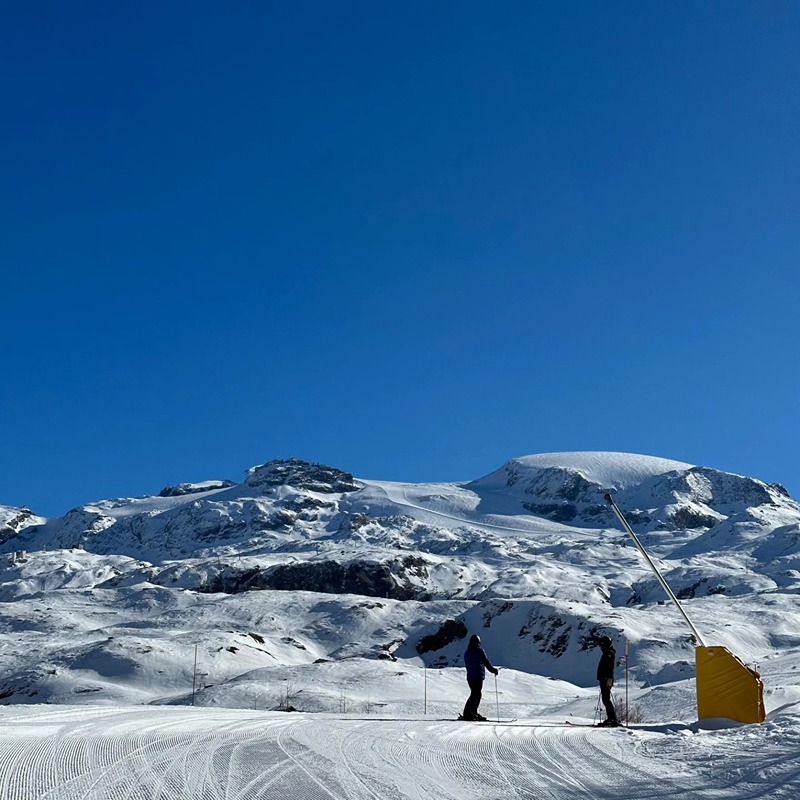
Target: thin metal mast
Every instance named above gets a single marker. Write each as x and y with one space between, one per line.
658 575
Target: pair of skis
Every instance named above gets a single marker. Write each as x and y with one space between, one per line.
533 724
589 725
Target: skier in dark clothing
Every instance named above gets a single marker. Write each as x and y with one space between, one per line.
477 663
605 676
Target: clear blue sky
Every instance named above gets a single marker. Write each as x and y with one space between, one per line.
409 240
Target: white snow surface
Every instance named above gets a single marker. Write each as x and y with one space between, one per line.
612 470
153 647
150 754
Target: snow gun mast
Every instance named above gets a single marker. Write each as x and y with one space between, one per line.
726 687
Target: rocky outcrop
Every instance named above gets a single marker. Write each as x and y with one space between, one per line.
301 475
13 520
683 498
450 631
685 518
390 579
194 488
558 512
718 490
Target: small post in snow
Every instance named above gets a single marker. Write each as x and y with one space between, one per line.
425 682
627 707
194 673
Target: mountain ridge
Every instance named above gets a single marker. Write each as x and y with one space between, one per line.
304 555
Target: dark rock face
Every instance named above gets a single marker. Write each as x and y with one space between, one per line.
368 578
305 503
13 525
301 475
559 494
553 483
636 517
361 577
564 495
192 488
493 609
558 512
450 631
688 519
698 588
573 486
550 633
717 489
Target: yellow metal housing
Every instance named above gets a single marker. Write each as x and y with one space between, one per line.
726 687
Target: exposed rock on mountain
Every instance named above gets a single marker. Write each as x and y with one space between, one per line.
656 493
530 556
193 488
391 579
15 520
451 630
301 475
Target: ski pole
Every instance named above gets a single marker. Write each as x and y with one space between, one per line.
496 697
627 707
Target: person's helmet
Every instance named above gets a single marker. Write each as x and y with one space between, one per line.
474 640
604 641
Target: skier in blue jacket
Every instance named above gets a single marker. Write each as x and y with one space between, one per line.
477 663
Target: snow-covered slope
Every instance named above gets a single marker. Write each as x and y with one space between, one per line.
189 753
15 520
302 565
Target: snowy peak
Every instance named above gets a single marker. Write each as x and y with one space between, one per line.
314 511
13 520
656 493
573 476
610 470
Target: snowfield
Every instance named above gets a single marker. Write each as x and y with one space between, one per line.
175 753
301 635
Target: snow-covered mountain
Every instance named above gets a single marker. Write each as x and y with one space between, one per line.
302 571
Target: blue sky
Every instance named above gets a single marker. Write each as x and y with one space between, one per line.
407 240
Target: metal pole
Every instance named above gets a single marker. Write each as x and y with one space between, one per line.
425 673
496 697
664 584
194 673
626 681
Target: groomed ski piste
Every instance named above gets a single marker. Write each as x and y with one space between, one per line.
168 753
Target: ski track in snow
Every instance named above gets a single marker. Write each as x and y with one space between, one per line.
171 754
475 523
